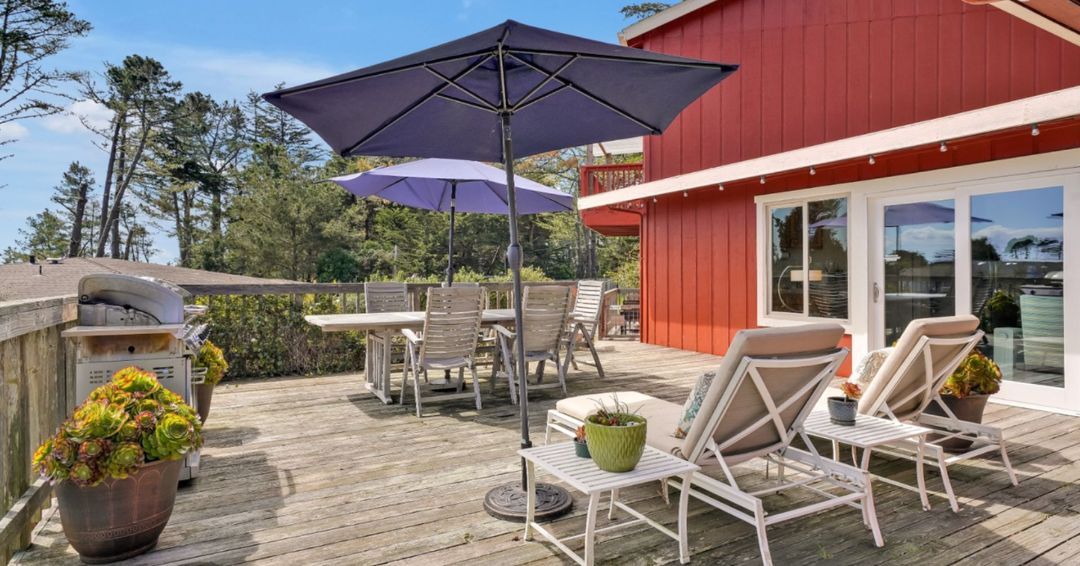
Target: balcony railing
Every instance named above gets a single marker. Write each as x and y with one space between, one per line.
596 179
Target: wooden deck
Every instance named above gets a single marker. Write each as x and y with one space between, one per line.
316 471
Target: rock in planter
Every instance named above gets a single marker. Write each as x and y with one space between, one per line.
119 518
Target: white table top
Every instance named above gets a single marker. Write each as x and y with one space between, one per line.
392 320
868 431
583 475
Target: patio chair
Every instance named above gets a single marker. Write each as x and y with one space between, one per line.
545 309
752 407
585 319
380 297
448 341
908 381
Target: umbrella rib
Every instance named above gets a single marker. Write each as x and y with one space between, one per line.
413 107
692 64
442 96
550 77
461 88
302 89
588 94
551 92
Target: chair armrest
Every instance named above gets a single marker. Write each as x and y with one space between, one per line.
411 336
500 329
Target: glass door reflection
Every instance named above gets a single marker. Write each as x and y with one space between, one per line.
920 263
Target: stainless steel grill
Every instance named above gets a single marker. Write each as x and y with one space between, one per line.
136 321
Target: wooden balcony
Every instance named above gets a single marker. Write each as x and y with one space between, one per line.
622 220
303 470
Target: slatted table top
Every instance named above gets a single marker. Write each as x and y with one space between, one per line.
868 431
392 320
583 475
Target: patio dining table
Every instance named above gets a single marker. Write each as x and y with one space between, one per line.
380 329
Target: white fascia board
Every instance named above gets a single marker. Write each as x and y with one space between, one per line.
1047 107
1038 20
654 21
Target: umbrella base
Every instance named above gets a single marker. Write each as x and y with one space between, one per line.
508 502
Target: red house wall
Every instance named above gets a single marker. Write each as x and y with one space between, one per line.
814 71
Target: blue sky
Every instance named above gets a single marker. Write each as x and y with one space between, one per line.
228 48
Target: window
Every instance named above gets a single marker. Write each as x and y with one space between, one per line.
808 259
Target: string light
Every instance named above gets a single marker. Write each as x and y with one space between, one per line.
761 179
943 148
812 170
654 199
872 160
1035 130
685 194
720 186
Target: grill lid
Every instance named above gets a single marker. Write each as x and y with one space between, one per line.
160 299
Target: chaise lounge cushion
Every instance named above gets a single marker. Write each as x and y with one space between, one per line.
662 416
887 382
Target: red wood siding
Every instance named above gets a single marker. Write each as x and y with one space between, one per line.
814 71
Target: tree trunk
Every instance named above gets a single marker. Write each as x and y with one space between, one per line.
114 150
75 244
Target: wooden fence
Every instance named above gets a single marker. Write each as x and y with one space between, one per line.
37 389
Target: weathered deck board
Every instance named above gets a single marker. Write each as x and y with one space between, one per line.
317 471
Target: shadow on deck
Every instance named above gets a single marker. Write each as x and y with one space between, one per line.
316 470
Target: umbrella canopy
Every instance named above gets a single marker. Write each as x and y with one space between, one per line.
430 183
462 98
906 215
563 91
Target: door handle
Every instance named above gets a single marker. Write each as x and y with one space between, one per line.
877 291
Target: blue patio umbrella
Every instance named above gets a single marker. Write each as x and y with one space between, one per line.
459 100
454 185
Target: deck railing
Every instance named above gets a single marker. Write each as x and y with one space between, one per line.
596 179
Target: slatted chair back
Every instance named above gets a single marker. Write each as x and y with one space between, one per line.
545 312
387 296
927 353
764 389
451 325
589 303
473 285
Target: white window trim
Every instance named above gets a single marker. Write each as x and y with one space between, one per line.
764 263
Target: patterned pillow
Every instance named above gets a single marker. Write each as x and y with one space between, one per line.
693 403
869 366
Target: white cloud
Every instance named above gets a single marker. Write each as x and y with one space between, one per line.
13 131
72 118
237 73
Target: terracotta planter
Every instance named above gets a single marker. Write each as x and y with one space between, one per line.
118 519
616 448
204 393
968 409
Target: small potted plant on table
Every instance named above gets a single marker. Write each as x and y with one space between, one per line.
615 437
581 448
210 362
842 410
115 464
966 392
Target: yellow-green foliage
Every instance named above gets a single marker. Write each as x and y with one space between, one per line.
122 424
977 375
213 359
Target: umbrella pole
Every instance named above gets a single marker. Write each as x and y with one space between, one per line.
507 501
450 251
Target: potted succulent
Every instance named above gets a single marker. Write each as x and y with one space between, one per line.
581 448
615 437
115 464
842 410
212 365
966 392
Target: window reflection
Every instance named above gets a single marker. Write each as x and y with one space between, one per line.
920 258
1017 282
787 264
828 258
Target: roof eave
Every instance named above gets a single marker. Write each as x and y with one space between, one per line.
667 16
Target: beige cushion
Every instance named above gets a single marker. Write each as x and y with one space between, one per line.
914 378
746 406
660 415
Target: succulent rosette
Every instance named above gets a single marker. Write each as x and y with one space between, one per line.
123 424
213 359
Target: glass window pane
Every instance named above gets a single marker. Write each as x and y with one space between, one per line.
828 243
1017 273
920 258
787 264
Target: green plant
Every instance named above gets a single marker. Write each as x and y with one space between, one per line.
1002 310
213 359
976 375
127 422
619 414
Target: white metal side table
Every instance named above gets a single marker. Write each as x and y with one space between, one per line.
583 475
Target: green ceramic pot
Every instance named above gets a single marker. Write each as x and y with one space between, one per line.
616 448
